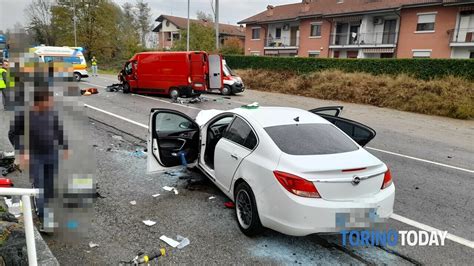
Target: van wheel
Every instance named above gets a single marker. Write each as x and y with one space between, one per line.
174 93
126 88
246 210
226 90
77 76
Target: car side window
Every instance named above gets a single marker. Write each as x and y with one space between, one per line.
241 133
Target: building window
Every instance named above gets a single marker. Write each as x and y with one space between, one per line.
314 54
315 30
421 53
426 22
471 55
278 33
255 33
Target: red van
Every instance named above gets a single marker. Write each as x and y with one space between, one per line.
172 73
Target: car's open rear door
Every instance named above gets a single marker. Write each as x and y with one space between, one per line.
173 140
215 72
360 133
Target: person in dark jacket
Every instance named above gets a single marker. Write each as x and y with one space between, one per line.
46 139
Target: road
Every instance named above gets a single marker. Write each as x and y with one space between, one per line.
430 158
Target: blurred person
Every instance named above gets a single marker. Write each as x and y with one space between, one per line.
46 139
94 66
4 82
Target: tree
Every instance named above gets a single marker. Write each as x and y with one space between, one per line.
232 45
143 15
201 15
39 15
202 38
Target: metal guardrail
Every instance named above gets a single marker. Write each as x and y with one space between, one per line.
25 194
364 38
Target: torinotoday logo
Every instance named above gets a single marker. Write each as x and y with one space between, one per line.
356 238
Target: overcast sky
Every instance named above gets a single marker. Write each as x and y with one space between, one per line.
12 11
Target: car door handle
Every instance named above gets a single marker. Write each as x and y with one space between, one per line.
234 156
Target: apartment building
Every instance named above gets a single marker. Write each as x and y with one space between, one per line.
364 29
169 28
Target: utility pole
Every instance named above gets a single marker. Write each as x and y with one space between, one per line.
74 18
216 19
187 35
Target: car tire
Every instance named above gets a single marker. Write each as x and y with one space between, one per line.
227 90
77 76
246 210
126 88
174 93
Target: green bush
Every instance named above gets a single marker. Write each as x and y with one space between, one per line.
419 68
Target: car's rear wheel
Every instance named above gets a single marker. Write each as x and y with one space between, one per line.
226 90
174 93
126 88
77 76
246 210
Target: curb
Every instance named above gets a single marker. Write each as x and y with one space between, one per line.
43 253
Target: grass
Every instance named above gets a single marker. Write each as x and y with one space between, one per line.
450 96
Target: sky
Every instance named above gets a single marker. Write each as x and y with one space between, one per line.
231 11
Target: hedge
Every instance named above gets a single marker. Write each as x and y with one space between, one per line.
418 68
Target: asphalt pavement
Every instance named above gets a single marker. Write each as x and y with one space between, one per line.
430 158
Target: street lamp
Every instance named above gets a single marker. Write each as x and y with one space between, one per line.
216 19
74 18
187 34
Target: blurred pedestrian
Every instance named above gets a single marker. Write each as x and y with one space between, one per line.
94 66
3 82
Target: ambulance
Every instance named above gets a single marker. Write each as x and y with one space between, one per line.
64 54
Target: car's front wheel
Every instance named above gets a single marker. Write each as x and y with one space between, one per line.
246 210
77 76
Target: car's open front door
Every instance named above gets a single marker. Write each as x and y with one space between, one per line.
173 140
360 133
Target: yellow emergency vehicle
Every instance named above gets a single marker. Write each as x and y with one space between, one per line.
64 54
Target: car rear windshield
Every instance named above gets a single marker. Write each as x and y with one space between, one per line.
310 139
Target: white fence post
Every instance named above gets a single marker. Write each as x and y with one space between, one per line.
25 194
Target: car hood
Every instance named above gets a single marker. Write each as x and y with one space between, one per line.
204 116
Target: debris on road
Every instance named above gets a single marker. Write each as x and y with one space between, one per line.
114 87
149 222
93 245
89 91
229 205
138 154
133 202
167 188
155 195
183 241
169 241
211 197
117 137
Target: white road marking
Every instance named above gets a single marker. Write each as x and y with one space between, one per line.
116 116
370 148
394 216
428 228
422 160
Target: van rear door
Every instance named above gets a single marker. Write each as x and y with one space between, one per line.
198 71
215 72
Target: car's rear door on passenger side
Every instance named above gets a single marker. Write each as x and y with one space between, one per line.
237 143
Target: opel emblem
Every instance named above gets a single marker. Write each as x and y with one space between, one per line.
355 180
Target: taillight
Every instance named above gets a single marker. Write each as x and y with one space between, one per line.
297 185
387 179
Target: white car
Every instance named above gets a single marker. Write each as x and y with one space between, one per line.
297 172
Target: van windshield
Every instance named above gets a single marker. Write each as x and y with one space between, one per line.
227 70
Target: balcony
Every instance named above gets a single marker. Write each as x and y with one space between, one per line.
372 39
462 37
281 43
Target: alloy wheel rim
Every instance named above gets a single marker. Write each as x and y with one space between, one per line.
174 94
244 209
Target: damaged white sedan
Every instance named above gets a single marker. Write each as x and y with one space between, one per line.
297 172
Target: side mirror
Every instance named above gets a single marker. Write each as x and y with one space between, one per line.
186 125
